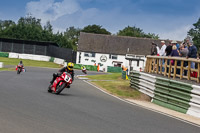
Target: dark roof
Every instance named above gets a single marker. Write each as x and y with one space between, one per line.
27 42
110 44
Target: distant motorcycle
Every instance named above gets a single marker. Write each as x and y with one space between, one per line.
84 71
19 69
60 83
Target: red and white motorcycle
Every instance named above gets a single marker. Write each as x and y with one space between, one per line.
60 83
20 68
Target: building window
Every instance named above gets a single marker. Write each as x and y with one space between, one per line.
89 54
113 57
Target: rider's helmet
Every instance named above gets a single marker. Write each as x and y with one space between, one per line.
20 62
70 66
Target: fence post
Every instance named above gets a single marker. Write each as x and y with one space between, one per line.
150 66
34 48
181 70
45 50
189 72
175 67
11 47
170 66
23 48
198 76
165 73
1 46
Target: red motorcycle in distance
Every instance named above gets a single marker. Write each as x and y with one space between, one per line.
60 83
84 71
19 69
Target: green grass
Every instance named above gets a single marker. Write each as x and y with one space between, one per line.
117 86
111 76
7 69
11 61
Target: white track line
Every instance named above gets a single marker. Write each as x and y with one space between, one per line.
194 124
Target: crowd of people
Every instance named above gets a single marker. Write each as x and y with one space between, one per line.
186 50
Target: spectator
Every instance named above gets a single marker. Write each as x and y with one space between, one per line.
184 53
192 51
168 49
162 50
162 53
175 53
153 49
158 50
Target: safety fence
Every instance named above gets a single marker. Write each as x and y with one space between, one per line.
33 57
174 67
179 96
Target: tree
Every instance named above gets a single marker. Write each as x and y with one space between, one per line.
72 34
97 29
136 32
195 33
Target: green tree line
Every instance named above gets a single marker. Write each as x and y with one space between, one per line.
30 28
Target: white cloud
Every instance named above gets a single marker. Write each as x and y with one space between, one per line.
177 34
49 10
69 13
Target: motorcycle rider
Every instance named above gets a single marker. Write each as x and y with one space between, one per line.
68 68
21 64
83 68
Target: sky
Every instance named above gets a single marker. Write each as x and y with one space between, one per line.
170 19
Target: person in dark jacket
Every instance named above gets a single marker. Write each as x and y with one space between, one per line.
192 52
168 50
153 49
68 68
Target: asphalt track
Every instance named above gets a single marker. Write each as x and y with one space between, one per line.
27 107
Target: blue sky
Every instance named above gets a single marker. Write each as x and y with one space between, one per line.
170 19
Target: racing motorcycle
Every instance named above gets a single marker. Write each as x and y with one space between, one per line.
84 71
19 69
60 83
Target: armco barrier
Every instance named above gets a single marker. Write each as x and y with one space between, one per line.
34 57
172 94
1 64
59 61
13 55
4 54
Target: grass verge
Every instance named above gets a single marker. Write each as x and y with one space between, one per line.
11 61
117 86
111 76
7 69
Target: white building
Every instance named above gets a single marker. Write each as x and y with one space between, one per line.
107 50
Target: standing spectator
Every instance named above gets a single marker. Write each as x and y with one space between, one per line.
162 50
175 53
184 53
192 52
158 50
162 53
168 49
153 49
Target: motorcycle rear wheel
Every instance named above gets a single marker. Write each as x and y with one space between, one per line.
49 89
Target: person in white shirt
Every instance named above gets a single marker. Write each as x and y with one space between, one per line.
163 53
162 50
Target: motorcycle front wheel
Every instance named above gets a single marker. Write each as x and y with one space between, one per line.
60 88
